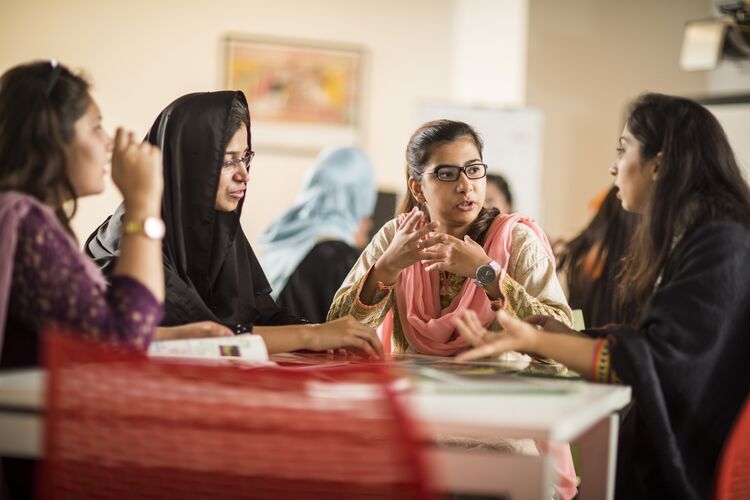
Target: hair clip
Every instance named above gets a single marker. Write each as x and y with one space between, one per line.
56 70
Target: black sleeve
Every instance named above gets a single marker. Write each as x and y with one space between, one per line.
687 360
182 303
271 314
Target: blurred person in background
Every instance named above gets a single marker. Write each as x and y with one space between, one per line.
590 262
498 194
309 250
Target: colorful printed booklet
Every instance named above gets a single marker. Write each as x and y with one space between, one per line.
245 348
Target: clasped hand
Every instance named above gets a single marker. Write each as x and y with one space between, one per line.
416 240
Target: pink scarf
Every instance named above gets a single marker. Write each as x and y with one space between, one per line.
13 208
427 327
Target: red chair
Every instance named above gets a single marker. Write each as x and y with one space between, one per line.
733 478
120 425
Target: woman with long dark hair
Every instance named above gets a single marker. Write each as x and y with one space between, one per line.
53 150
446 254
685 281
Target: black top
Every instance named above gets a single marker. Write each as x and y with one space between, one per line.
211 270
311 287
688 366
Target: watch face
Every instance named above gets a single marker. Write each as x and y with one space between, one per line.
153 227
485 274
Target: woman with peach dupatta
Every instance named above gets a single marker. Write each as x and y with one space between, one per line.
445 254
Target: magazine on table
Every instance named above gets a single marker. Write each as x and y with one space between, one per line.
245 348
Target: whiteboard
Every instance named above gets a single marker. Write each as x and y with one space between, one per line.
735 119
512 147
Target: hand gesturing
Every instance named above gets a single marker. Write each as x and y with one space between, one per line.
412 243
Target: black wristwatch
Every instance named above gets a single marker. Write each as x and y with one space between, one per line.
487 274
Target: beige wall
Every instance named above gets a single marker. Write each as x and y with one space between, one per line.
143 53
586 60
581 62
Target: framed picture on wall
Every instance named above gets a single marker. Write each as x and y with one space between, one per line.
301 95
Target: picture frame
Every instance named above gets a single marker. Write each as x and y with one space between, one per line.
302 95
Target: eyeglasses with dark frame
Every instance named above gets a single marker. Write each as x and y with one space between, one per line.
245 161
451 173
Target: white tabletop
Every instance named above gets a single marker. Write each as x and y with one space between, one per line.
547 409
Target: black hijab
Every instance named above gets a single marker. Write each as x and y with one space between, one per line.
211 271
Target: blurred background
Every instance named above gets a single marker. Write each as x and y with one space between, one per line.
572 66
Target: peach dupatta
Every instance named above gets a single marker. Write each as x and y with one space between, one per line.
427 327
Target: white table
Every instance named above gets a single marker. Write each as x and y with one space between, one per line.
544 409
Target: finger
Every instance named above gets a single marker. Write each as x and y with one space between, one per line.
451 240
432 239
374 341
497 347
473 321
411 220
426 229
120 139
466 332
437 266
515 326
363 346
427 255
369 336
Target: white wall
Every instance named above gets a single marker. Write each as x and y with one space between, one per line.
489 53
586 60
142 54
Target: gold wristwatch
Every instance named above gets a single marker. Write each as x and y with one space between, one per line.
151 227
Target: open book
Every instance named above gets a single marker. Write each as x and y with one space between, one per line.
245 347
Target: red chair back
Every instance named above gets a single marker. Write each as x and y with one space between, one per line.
733 478
120 425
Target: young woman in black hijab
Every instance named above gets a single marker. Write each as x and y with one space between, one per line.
214 283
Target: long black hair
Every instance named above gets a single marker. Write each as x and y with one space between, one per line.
698 179
591 262
39 105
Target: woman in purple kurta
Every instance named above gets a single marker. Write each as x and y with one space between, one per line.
53 151
52 282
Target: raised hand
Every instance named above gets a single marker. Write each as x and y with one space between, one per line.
137 173
412 242
461 257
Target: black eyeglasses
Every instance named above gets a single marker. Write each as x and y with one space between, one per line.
450 173
245 161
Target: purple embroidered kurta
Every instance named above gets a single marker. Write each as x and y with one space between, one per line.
52 283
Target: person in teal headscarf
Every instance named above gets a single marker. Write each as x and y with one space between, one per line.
309 250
